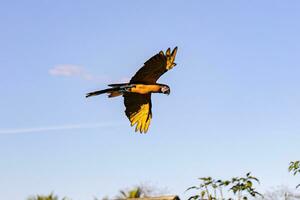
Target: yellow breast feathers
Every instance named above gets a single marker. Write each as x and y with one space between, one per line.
144 89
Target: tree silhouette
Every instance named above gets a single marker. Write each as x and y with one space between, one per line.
45 197
295 169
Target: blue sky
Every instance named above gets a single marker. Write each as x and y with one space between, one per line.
233 108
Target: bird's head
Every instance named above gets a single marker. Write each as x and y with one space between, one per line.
165 89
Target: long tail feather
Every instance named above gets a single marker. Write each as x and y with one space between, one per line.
116 90
95 93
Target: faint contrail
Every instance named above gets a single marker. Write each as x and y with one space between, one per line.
56 128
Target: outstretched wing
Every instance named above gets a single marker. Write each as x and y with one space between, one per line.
138 110
155 67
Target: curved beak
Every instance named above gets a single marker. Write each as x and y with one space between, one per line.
168 92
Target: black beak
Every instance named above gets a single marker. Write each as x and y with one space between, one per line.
168 92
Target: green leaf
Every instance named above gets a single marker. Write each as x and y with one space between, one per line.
203 194
191 188
249 184
195 197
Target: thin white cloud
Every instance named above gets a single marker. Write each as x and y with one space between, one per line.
57 128
69 70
